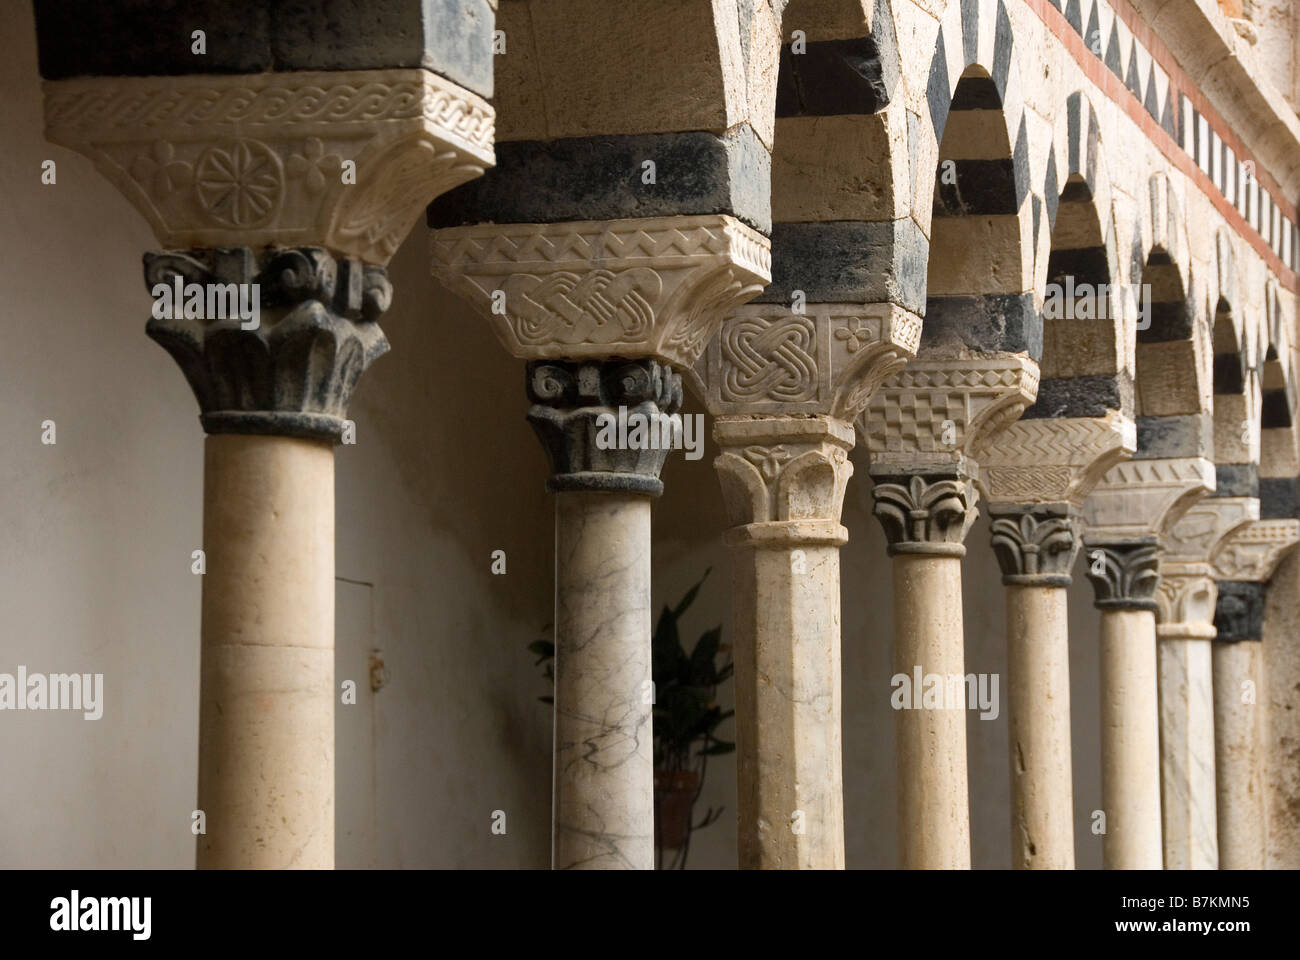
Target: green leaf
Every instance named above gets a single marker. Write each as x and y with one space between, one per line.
687 600
702 669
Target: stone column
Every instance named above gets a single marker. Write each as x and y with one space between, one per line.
1124 517
1035 476
921 428
1186 597
608 314
785 388
1242 565
242 177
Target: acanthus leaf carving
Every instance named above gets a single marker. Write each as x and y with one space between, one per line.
1124 574
925 514
1035 546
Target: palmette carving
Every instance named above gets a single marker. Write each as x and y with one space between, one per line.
925 514
654 287
574 401
221 161
294 374
1035 546
1124 575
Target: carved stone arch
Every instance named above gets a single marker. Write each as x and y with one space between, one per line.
1173 365
1277 370
981 228
1086 366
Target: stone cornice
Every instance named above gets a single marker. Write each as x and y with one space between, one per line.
783 478
1222 65
934 415
1141 498
827 360
1052 461
1252 552
252 160
655 287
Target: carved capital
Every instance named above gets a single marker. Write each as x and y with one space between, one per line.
1035 544
1252 552
1187 590
1239 612
936 413
1052 461
655 287
927 514
231 160
1185 600
605 425
1142 498
1124 574
783 478
828 360
294 373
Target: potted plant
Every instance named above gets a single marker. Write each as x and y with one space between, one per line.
686 717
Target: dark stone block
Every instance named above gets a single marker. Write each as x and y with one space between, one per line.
1279 498
995 323
1113 59
1159 438
599 178
137 38
970 29
849 262
1229 373
151 37
1239 611
449 37
1236 480
1084 264
832 78
981 187
1076 397
1170 320
1276 411
1074 15
938 93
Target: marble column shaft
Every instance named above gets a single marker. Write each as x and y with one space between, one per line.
925 520
1036 547
1242 565
784 480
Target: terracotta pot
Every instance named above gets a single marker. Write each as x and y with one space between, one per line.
674 802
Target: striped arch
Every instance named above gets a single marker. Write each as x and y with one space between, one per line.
843 162
1277 370
981 296
1235 380
1086 366
1173 364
